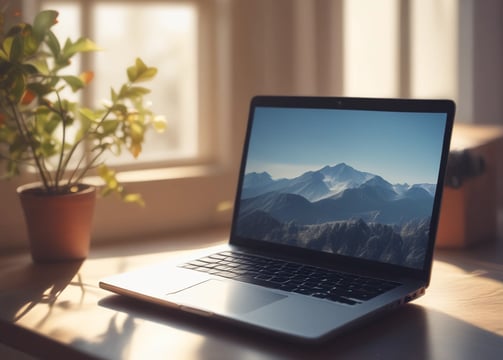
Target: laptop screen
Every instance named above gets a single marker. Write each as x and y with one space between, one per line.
357 183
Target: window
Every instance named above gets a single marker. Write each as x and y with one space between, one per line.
165 35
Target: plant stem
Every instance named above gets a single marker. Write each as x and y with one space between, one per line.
88 166
23 130
70 179
59 170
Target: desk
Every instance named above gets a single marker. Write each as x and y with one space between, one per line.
58 311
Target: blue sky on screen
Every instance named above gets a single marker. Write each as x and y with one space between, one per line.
400 147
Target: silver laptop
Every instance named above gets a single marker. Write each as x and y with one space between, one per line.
334 220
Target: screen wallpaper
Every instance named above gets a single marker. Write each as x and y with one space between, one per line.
354 183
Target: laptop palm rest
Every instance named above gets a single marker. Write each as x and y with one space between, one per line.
215 296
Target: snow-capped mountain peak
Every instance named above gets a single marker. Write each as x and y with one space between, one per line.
327 182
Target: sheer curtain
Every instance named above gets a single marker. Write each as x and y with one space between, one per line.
399 48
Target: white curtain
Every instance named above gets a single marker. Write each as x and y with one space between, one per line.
400 48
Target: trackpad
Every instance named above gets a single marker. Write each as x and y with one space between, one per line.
225 297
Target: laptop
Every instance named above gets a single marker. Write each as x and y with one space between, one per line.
334 220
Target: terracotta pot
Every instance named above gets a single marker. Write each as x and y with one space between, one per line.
59 226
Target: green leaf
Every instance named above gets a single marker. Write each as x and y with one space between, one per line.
113 95
47 148
51 125
140 72
53 43
7 134
89 114
134 91
81 45
39 89
75 82
6 47
30 45
109 127
43 22
120 110
18 87
85 125
29 68
108 177
134 71
137 133
16 50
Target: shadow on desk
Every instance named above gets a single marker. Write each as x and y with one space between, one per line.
41 284
411 332
485 260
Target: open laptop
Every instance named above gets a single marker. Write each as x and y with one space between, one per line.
334 220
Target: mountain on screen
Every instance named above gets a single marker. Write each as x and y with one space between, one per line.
339 209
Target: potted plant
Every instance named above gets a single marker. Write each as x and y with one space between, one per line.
43 130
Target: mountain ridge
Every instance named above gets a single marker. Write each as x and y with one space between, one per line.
341 210
327 182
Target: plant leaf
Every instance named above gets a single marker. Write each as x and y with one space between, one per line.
134 198
134 91
140 72
89 114
81 45
135 149
159 123
75 82
18 87
6 47
85 125
108 127
53 43
51 125
40 89
16 49
113 95
43 22
30 44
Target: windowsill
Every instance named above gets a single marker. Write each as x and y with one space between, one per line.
159 174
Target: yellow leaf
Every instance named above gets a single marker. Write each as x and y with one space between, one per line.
160 124
134 198
135 150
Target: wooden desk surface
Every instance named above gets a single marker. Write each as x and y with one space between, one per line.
53 311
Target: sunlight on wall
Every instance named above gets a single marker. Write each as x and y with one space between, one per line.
164 36
371 48
434 48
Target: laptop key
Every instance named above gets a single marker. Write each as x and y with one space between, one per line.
292 277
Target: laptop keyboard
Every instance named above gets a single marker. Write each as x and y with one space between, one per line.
293 277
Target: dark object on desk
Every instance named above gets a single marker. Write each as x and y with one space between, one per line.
463 165
473 188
